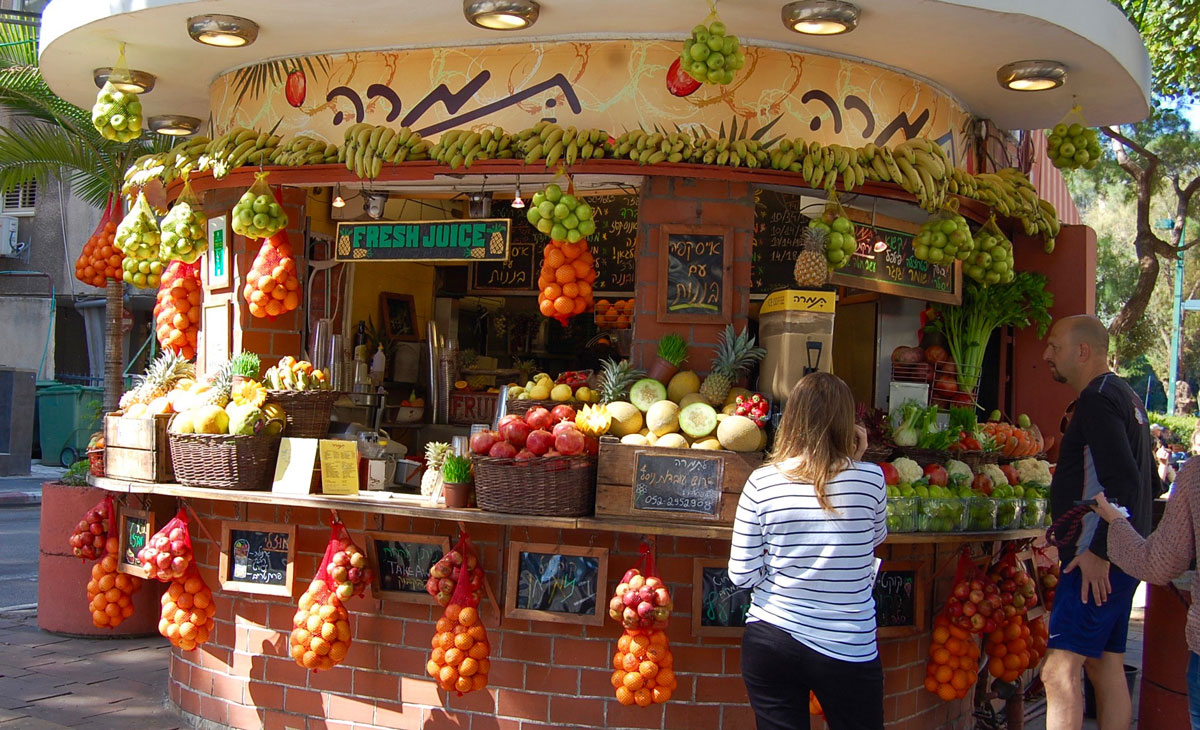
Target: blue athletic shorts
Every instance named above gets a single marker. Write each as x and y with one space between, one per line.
1087 629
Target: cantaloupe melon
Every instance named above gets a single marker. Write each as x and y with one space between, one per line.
635 439
663 418
738 433
626 418
689 399
681 384
672 441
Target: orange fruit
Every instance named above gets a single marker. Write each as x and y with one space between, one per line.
319 645
478 681
468 667
616 678
943 674
463 642
448 675
478 651
563 305
648 669
446 640
931 684
956 646
564 274
468 616
1012 662
946 692
638 645
343 630
432 668
660 695
961 680
454 656
444 624
438 655
630 662
665 678
555 257
643 698
337 650
477 632
1012 631
463 684
633 681
940 655
624 696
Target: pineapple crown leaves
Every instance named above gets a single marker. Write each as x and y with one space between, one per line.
814 238
456 469
436 453
736 352
616 378
223 377
245 364
673 349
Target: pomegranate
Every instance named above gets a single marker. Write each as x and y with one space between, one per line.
569 442
502 450
482 442
539 418
562 427
515 432
563 412
539 442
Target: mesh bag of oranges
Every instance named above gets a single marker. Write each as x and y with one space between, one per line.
1010 649
177 308
109 592
90 536
272 284
643 668
187 611
459 658
168 553
953 660
565 282
101 259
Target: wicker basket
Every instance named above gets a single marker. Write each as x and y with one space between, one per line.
307 411
521 407
924 457
558 486
976 459
878 453
224 461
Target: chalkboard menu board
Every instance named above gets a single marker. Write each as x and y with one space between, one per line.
560 583
518 275
718 606
900 598
257 557
135 530
614 244
897 270
778 224
670 483
521 231
694 274
402 564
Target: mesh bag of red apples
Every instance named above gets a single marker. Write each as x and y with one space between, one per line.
445 574
643 666
540 433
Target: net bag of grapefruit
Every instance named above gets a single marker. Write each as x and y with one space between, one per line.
101 259
444 575
458 660
320 635
177 308
643 667
168 553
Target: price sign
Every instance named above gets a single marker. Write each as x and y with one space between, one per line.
257 557
670 483
339 467
560 583
778 225
402 564
719 607
135 530
693 275
900 598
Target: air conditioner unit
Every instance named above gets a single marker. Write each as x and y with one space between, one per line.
9 246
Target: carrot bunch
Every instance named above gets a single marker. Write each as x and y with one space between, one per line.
1014 441
272 285
177 308
100 259
953 660
565 283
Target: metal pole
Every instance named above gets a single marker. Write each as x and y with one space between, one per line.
1176 322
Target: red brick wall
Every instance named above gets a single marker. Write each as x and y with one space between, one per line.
544 675
684 201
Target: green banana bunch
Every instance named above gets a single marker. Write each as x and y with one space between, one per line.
461 148
237 147
302 150
368 146
554 144
164 166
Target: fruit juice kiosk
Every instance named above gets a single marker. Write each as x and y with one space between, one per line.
637 235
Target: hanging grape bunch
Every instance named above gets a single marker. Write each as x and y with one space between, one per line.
710 56
944 238
1073 146
992 260
561 216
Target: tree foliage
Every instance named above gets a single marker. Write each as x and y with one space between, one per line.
1171 32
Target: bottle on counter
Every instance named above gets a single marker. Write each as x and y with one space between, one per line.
378 365
360 342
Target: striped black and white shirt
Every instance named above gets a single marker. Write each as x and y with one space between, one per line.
812 570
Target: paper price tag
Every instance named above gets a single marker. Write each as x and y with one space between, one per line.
339 467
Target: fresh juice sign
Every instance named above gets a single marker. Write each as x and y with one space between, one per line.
424 241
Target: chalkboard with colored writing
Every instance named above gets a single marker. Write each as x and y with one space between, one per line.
257 557
673 483
694 275
778 224
518 275
614 244
900 598
402 564
896 270
719 607
562 583
135 530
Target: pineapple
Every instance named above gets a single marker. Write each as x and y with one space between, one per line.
163 372
615 380
812 270
435 453
735 355
218 391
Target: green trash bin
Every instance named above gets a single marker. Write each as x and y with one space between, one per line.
65 423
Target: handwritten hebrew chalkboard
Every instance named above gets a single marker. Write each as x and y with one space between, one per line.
518 275
560 583
719 607
614 244
670 483
136 528
897 270
900 598
521 230
694 279
257 557
402 564
778 225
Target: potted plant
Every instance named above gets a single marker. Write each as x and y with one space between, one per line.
244 366
672 351
456 481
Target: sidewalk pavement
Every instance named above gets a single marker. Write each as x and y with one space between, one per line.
25 491
50 682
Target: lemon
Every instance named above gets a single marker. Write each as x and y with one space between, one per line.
561 392
539 392
584 394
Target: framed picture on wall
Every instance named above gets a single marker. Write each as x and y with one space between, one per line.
398 313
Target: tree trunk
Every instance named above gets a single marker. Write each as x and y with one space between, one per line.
114 341
1135 308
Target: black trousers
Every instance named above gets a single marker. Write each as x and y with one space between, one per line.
779 672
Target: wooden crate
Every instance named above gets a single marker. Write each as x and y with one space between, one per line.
615 476
137 448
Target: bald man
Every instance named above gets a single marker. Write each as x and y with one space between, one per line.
1105 449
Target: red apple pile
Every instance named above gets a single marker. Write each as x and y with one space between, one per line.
541 433
1018 594
167 554
755 407
348 568
88 539
443 576
641 602
1049 578
975 604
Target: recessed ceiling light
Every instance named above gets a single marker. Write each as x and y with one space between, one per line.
820 17
1032 75
225 31
174 125
501 14
129 81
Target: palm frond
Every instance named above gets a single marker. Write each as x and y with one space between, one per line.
18 44
35 150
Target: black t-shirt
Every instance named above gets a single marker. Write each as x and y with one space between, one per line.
1107 448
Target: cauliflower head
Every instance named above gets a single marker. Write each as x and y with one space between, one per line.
958 471
909 470
1033 471
992 471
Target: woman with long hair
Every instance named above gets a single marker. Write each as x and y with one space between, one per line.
804 539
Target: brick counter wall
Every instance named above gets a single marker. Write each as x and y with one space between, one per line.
544 675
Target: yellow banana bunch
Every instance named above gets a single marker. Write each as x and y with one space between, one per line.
367 147
554 144
303 150
237 147
461 147
165 166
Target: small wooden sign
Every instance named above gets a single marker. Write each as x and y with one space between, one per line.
695 274
339 467
719 607
402 564
426 242
136 527
257 557
669 483
900 598
561 583
1029 563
